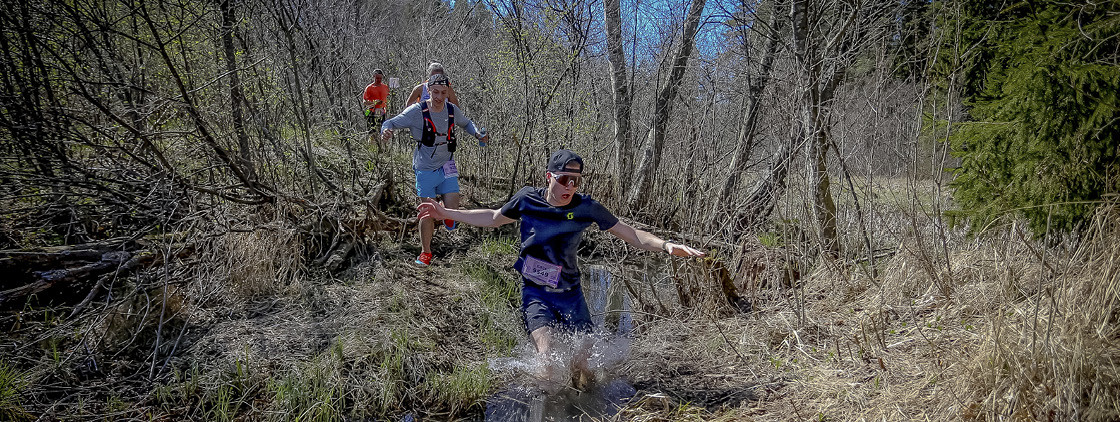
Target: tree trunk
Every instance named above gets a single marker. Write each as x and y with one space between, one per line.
817 88
235 95
749 116
768 190
655 142
623 101
824 208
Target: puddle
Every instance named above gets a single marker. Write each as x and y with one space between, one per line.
533 404
532 399
608 302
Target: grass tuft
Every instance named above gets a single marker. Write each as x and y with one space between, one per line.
500 297
12 384
465 386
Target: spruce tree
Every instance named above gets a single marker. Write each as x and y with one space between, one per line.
1041 90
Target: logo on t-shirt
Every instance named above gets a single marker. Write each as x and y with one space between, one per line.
571 215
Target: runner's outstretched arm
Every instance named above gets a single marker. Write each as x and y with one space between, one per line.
407 119
469 125
647 241
479 217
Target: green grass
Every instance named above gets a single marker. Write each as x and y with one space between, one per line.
770 240
308 394
462 388
114 403
236 390
496 340
12 384
350 379
498 246
500 297
498 290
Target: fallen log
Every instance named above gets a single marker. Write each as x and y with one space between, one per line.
17 265
76 277
73 272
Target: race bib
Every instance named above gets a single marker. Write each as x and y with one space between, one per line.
541 272
449 169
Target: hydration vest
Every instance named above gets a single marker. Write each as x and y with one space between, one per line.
428 139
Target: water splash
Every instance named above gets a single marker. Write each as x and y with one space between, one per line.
605 354
608 345
542 390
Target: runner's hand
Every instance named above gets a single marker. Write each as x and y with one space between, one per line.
681 250
430 209
386 135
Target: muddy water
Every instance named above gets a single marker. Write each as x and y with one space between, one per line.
541 390
533 404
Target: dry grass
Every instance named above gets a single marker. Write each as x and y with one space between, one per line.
259 263
998 327
384 339
1005 328
1050 352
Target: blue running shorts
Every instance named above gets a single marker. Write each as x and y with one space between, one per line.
431 183
566 311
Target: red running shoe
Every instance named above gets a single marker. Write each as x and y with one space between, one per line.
450 224
424 259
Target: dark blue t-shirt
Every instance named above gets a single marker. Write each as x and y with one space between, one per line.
550 235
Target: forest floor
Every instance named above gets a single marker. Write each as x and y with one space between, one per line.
992 328
421 341
387 339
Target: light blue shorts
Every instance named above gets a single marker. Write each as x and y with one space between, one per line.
431 183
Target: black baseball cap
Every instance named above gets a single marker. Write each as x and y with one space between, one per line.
560 160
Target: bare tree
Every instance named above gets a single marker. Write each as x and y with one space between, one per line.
756 85
235 95
623 99
543 61
823 48
663 105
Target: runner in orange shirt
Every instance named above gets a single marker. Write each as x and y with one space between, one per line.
375 99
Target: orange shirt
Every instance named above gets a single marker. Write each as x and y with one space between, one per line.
377 91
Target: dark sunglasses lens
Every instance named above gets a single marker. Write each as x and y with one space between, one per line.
566 180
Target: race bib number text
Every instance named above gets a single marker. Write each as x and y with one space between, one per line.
541 272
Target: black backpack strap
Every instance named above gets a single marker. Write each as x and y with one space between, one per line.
452 145
450 120
428 138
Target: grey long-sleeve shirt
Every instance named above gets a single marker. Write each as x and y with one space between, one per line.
433 157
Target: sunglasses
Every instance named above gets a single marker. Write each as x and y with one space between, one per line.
567 180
